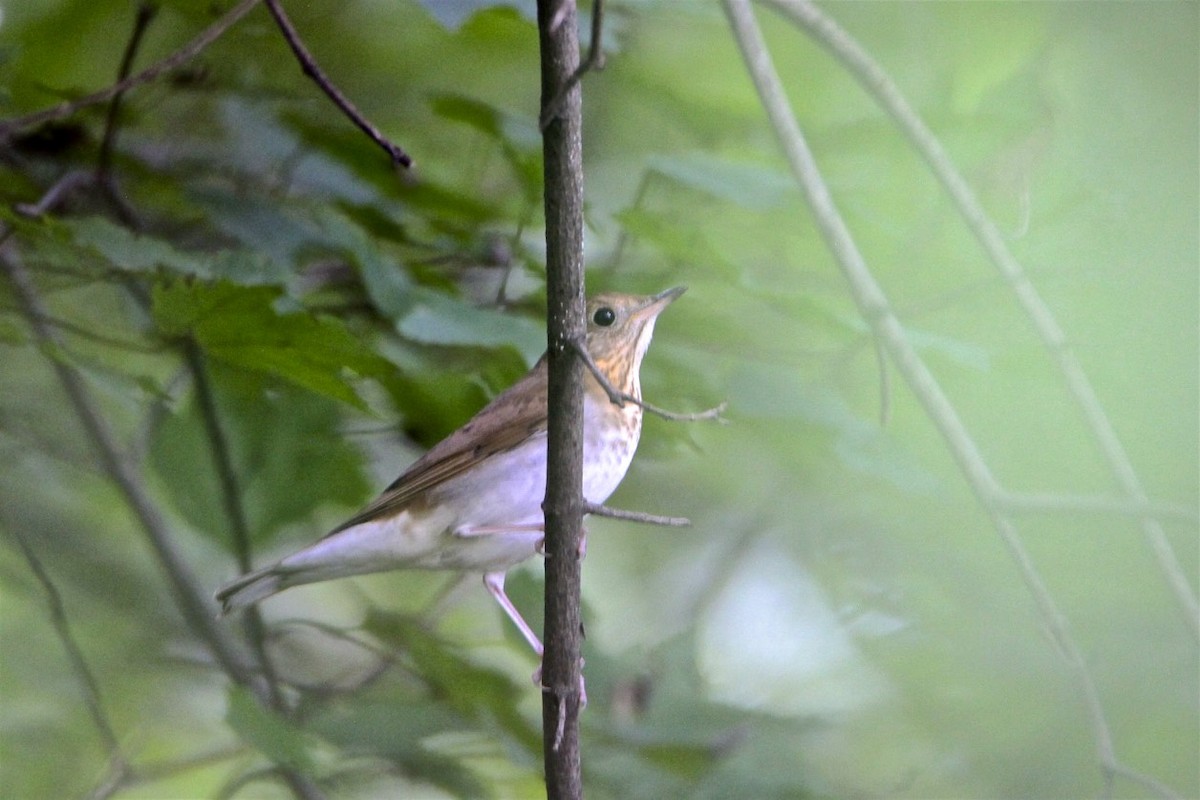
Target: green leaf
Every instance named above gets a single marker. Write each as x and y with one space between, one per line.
517 136
396 727
386 282
681 244
509 129
128 251
748 185
476 692
241 326
132 252
438 319
275 737
269 435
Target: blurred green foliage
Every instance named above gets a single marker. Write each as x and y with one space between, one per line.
841 619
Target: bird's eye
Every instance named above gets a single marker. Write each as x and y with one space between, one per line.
604 316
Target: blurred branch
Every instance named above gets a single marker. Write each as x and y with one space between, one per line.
104 176
1036 503
874 306
93 336
58 191
231 497
188 594
79 666
145 15
180 56
189 597
145 774
308 66
877 82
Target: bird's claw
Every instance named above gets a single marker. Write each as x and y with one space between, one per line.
583 698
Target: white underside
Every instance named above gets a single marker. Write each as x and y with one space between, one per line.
487 521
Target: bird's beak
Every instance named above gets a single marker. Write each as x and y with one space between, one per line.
655 304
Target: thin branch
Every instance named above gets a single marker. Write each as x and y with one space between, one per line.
1038 503
636 516
1147 782
873 305
231 497
594 61
56 194
620 398
191 599
877 82
145 14
93 336
83 673
180 56
308 66
885 383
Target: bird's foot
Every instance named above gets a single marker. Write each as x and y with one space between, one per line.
540 547
583 699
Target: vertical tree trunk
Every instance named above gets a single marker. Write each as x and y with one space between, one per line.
563 155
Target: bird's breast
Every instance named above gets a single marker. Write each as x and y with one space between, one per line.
610 438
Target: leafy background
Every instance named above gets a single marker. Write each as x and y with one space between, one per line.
840 620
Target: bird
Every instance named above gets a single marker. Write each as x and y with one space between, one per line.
473 503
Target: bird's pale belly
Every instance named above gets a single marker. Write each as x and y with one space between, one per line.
487 519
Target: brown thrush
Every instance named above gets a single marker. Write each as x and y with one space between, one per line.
474 502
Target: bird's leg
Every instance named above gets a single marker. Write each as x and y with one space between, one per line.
467 531
494 581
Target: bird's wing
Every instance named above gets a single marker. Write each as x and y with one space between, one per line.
501 425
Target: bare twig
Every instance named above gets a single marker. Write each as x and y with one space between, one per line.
189 597
188 594
885 383
620 398
1029 502
308 65
83 673
635 516
877 82
104 176
58 191
93 336
180 56
118 775
873 305
145 14
594 61
231 498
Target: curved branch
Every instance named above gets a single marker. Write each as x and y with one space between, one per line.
877 312
231 498
180 56
873 78
308 66
83 673
190 598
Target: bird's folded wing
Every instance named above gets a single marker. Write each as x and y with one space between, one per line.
510 419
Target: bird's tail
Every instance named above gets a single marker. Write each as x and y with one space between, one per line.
249 589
